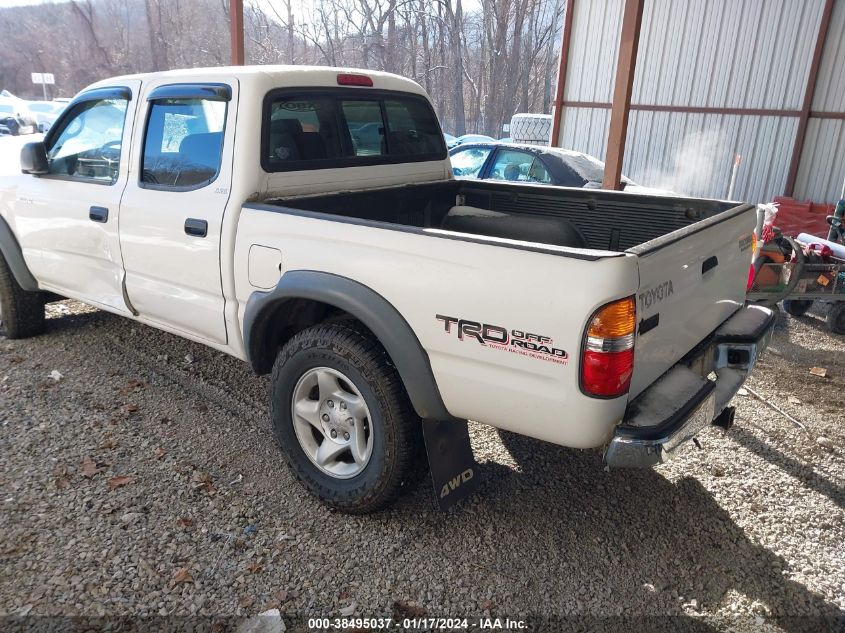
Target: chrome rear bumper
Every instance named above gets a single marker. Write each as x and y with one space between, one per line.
686 399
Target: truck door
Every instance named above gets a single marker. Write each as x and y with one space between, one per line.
172 210
67 219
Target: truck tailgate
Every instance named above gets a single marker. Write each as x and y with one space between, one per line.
691 281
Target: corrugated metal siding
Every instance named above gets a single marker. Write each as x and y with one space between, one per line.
726 53
822 169
830 87
593 50
585 130
693 153
713 53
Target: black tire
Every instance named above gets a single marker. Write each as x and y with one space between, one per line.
797 307
836 318
396 430
21 312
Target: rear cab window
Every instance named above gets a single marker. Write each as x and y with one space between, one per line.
312 128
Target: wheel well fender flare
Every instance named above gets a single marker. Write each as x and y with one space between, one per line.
13 255
367 306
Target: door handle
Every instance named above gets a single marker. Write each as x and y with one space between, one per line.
197 228
709 264
98 214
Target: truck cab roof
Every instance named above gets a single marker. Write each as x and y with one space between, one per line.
264 78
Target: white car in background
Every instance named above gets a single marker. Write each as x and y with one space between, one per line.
45 113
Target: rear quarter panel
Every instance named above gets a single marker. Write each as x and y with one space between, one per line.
423 275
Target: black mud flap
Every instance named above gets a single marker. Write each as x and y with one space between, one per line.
454 471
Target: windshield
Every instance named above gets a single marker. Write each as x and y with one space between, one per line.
7 109
468 162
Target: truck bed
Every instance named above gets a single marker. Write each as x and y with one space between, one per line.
577 218
692 254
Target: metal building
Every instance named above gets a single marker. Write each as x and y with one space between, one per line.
712 79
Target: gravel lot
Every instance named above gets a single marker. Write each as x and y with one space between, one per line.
146 481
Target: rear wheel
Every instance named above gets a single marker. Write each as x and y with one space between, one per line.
836 318
797 307
343 419
21 312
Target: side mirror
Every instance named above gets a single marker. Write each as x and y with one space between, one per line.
34 159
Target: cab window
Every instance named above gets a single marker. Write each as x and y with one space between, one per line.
323 129
366 126
411 128
89 142
183 144
302 127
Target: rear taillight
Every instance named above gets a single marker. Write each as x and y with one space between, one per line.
751 273
607 361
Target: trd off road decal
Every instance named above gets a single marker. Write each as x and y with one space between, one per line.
497 337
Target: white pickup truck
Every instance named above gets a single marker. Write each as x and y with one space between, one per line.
306 221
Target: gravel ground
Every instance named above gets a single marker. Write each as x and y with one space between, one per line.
145 481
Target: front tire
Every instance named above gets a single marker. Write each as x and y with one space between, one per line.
21 312
342 417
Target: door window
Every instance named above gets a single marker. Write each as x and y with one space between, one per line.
183 145
518 166
538 172
469 161
88 144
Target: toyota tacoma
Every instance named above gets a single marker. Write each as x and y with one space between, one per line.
306 220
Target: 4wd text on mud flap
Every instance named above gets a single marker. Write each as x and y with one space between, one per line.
455 482
498 337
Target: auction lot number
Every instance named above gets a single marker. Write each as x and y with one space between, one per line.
328 624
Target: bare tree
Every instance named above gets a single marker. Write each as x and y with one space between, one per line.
479 67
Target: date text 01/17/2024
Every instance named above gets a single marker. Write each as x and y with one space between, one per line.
417 624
